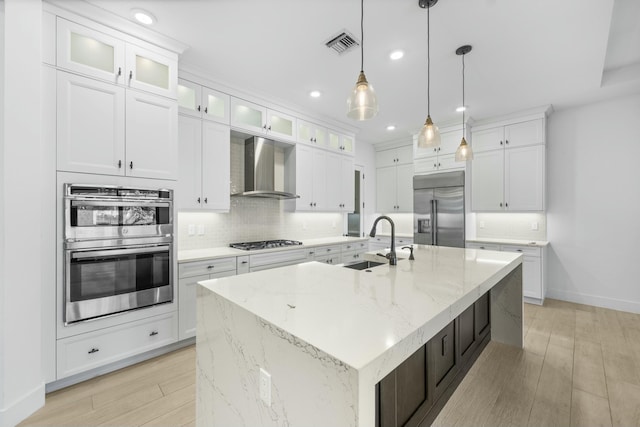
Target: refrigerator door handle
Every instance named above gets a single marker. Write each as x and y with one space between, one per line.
434 213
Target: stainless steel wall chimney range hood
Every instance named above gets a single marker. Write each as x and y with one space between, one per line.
259 171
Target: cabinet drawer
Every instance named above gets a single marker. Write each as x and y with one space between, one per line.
357 246
401 241
350 257
526 250
486 246
211 266
277 258
87 351
242 264
322 251
334 258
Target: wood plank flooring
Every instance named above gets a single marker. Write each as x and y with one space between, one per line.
580 367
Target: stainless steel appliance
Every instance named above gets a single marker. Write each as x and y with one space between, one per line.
438 203
260 177
118 249
264 244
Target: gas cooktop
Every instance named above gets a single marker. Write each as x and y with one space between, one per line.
264 244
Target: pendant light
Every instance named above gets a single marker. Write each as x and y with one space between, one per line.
429 135
362 104
463 153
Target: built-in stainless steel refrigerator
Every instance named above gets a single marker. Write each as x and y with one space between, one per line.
438 203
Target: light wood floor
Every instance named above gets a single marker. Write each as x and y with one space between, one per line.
580 367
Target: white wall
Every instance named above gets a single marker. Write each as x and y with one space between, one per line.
21 381
594 204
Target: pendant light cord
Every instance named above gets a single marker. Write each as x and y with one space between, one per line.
428 64
464 107
361 36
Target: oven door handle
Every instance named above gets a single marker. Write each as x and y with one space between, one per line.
115 252
140 203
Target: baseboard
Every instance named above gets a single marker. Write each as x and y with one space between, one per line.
84 376
595 300
23 407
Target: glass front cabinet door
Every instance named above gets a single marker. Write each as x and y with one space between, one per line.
151 72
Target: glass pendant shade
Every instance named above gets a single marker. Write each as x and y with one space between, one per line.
464 153
429 135
362 103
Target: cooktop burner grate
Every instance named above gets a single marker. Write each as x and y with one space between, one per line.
264 244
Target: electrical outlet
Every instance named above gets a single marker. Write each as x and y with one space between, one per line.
192 229
200 229
481 224
265 387
534 226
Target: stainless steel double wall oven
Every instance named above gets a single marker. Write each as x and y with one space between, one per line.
118 249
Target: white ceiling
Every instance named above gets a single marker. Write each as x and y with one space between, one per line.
525 54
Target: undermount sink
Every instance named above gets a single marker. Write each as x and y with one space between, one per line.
363 265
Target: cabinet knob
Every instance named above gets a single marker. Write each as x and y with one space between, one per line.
438 149
439 164
119 164
506 205
119 71
500 142
206 110
153 333
130 75
500 204
198 199
198 108
481 247
314 204
311 204
506 141
269 128
93 350
206 200
131 165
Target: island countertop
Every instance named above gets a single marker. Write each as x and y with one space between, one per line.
306 344
357 316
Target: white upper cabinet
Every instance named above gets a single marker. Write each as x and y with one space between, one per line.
151 136
90 125
204 167
340 183
439 158
100 55
151 72
103 128
394 180
310 133
530 132
202 102
90 52
507 172
311 179
341 142
260 120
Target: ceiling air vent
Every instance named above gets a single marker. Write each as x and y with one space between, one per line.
343 42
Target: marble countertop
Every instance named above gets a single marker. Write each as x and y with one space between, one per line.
225 251
357 316
509 241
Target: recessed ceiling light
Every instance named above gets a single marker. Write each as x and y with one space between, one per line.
461 109
143 17
391 127
396 54
315 94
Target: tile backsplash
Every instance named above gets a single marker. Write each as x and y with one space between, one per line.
255 219
511 226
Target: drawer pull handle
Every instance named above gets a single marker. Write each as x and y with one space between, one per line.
244 262
93 350
444 344
153 333
519 250
210 267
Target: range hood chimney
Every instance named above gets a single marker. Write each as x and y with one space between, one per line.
259 171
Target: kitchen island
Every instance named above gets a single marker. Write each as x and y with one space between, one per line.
325 336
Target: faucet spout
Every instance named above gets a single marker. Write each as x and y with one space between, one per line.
391 256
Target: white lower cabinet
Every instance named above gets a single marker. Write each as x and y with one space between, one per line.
94 349
533 283
353 252
384 242
327 254
190 274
